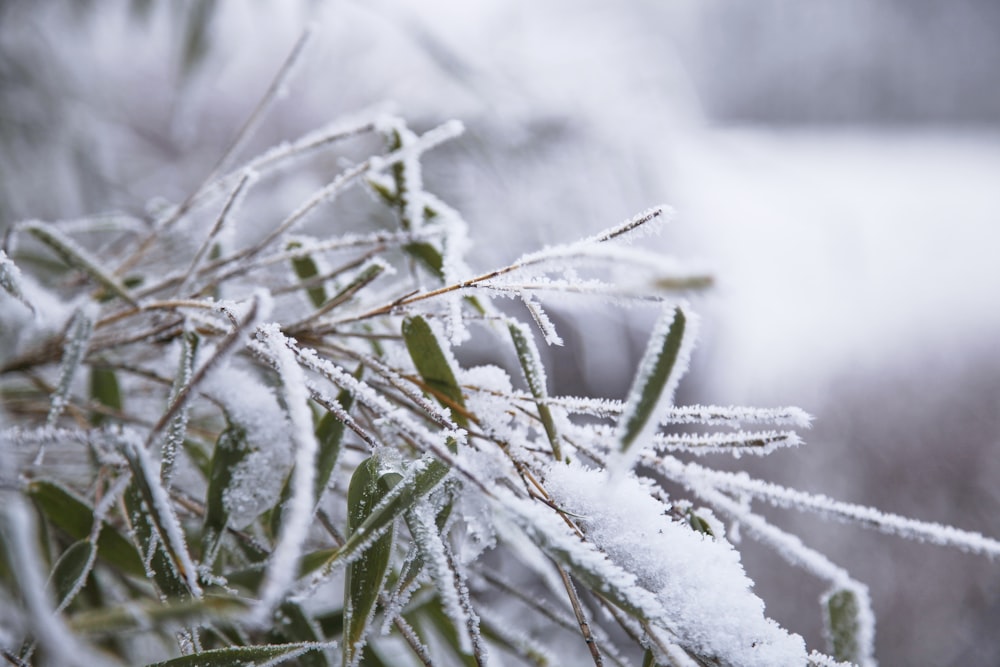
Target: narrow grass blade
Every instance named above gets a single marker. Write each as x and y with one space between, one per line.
77 257
433 366
74 516
534 374
244 656
230 450
366 575
70 572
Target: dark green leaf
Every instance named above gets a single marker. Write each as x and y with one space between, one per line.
403 495
74 516
648 659
230 450
427 255
658 363
164 572
366 575
71 570
432 364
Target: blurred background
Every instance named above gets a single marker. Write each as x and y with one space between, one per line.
836 165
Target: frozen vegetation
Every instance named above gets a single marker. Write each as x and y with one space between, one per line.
231 439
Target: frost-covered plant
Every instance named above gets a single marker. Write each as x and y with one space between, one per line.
229 445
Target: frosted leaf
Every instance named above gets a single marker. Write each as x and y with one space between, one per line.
665 361
758 443
542 320
167 524
705 595
77 340
693 475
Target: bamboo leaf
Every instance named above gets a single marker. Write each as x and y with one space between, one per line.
425 475
427 255
156 563
843 625
71 570
656 373
77 257
305 268
244 656
366 575
155 523
78 337
433 366
534 374
230 450
74 516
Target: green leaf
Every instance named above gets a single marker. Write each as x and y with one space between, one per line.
161 568
305 268
149 614
366 575
230 450
534 374
428 474
77 257
843 625
105 390
156 526
71 570
244 656
427 255
648 659
432 364
654 374
74 516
